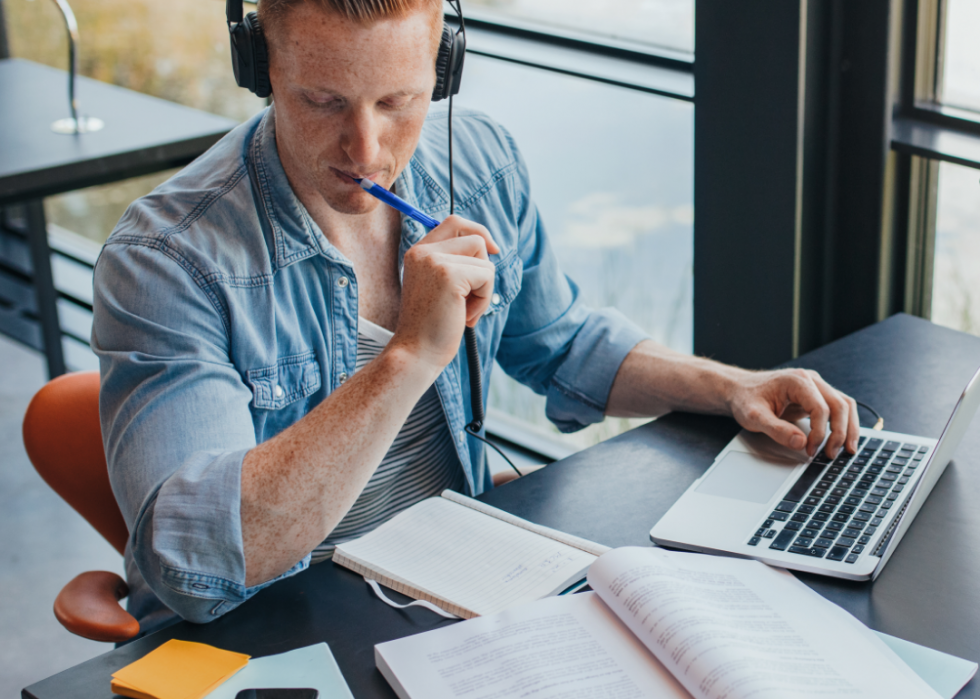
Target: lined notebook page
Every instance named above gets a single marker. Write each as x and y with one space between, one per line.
464 561
570 539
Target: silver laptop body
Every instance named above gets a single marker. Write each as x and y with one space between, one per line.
841 517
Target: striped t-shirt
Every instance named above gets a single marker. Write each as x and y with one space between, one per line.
421 462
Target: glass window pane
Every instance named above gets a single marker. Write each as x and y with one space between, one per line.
961 64
612 174
657 23
956 275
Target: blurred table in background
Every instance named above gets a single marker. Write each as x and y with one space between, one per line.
142 134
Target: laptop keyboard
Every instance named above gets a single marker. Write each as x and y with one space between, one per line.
836 506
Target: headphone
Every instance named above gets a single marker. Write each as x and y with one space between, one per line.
250 53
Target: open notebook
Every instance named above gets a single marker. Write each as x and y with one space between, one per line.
468 558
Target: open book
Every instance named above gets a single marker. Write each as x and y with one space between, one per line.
661 624
467 557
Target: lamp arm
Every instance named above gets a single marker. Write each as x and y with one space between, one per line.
72 26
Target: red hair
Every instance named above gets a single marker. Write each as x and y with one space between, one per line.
271 12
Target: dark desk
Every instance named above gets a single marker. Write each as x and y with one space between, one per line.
909 369
142 134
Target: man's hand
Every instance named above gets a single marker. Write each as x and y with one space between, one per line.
771 401
447 284
654 379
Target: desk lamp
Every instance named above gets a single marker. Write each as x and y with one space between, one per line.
73 124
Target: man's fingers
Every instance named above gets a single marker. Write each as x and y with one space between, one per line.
803 391
466 246
853 427
479 281
458 227
839 413
783 432
773 401
843 411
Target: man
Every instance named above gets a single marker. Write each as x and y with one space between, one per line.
280 352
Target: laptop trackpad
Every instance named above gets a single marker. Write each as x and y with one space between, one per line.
745 476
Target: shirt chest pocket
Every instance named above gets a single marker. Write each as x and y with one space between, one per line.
506 284
280 392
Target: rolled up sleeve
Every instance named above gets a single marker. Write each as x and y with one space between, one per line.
554 343
579 390
176 426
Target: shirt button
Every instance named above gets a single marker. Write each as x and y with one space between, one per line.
460 436
342 377
278 391
495 299
342 282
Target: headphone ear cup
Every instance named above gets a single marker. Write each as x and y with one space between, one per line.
250 56
457 55
262 86
444 65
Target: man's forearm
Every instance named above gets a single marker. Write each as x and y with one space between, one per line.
297 486
654 380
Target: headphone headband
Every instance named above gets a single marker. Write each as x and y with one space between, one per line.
234 10
250 53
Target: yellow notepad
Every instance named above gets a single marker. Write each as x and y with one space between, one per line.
177 670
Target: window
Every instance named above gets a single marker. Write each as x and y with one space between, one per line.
951 229
956 272
611 172
961 60
663 24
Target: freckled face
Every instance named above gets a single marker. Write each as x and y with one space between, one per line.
350 100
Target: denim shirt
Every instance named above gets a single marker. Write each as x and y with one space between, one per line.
223 315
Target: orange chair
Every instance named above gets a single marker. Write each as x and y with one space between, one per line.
64 442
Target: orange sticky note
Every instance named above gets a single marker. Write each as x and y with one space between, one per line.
177 670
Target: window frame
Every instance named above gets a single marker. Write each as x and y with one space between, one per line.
925 132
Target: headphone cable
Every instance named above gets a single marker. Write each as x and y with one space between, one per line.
881 421
469 334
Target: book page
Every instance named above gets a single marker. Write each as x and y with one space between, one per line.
570 539
464 561
570 647
732 629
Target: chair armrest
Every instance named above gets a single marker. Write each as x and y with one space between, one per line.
507 476
88 606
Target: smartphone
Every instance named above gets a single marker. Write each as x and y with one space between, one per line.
276 693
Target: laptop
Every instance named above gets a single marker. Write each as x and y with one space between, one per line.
840 517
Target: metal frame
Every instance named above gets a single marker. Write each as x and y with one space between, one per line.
580 41
924 126
665 75
28 291
923 180
920 94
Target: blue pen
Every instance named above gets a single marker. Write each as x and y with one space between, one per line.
396 202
